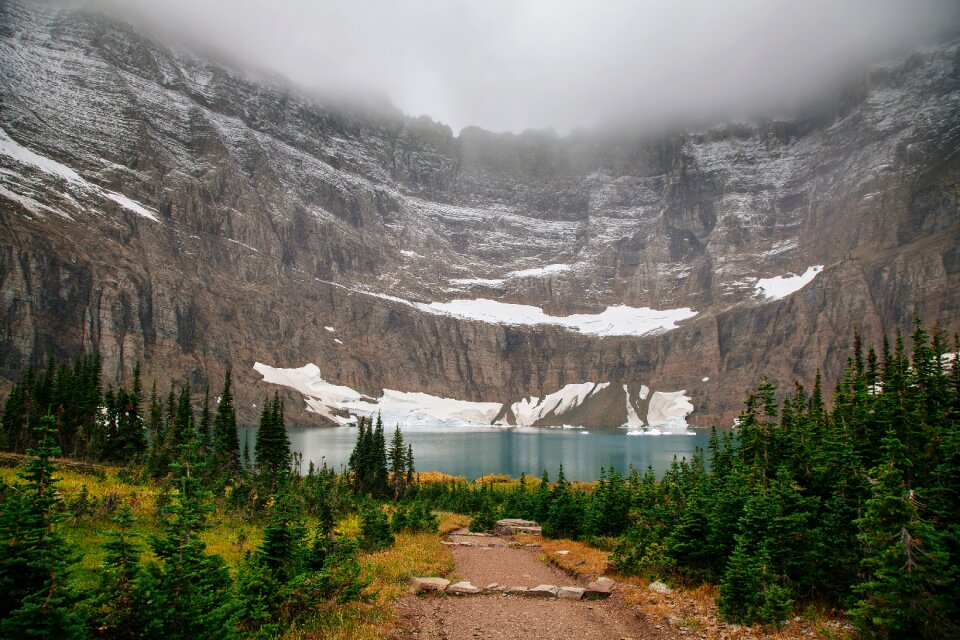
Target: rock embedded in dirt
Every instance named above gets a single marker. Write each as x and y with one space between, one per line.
420 585
516 590
659 587
543 591
462 589
570 593
598 590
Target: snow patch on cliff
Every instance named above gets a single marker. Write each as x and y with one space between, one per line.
780 287
12 149
669 409
539 271
618 320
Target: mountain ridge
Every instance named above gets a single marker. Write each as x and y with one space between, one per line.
274 214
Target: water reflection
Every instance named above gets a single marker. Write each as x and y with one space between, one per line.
477 451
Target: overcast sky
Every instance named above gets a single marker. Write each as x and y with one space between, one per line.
508 65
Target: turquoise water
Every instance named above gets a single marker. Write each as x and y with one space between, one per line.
478 451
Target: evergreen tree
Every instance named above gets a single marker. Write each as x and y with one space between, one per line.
908 590
226 441
398 463
186 592
116 611
272 447
36 599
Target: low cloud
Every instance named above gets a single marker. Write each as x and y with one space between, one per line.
509 65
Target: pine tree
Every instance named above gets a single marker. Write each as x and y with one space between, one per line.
186 592
908 590
398 463
226 441
116 611
36 599
272 447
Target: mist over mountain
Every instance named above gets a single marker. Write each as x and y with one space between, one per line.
159 205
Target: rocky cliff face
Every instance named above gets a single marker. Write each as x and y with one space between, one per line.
159 207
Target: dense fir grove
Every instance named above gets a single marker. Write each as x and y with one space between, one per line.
849 504
854 508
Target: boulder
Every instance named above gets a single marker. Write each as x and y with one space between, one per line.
420 585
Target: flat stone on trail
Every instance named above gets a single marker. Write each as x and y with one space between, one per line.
598 590
603 580
420 585
570 593
462 589
659 587
562 552
493 586
543 591
516 591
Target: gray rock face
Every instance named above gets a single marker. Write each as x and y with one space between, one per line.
196 219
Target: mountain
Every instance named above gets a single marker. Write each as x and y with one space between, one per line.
161 207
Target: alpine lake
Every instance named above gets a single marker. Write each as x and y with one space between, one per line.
475 451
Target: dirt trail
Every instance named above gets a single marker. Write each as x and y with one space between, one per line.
511 617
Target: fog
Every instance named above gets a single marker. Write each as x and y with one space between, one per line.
509 65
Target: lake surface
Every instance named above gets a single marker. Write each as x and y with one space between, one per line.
476 451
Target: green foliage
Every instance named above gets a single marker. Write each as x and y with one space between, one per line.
375 533
485 517
414 518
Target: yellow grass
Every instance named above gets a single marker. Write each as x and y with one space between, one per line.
450 522
583 560
435 477
493 478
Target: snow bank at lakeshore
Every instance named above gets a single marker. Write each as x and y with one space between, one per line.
396 407
339 403
780 287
